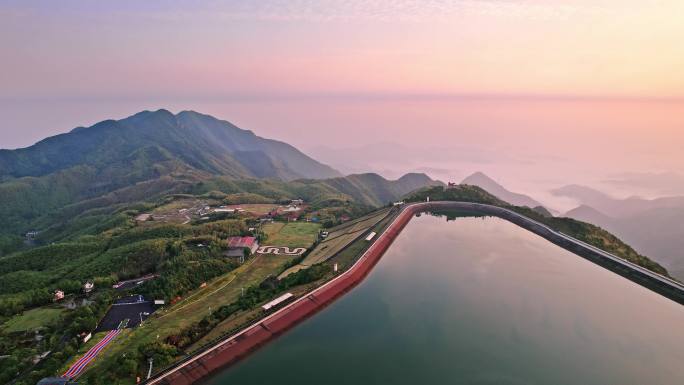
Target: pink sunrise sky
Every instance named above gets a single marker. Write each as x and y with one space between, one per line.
533 92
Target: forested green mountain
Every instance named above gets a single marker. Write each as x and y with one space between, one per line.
152 148
373 189
368 190
188 140
362 191
99 237
71 184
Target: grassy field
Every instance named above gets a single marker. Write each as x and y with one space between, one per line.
292 234
241 318
221 291
342 236
351 253
170 212
339 238
178 204
257 208
244 317
32 319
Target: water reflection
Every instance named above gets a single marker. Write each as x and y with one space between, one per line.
479 301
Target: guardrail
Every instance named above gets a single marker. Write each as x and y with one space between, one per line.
663 285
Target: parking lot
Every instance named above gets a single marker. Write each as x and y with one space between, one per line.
127 312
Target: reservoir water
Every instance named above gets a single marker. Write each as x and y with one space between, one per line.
479 301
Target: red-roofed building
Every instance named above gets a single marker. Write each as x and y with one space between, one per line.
239 243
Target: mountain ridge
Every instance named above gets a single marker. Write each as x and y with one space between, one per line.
202 141
91 162
615 207
493 187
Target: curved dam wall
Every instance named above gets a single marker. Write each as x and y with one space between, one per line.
662 285
228 351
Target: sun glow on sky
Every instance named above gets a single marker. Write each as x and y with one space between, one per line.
581 48
526 89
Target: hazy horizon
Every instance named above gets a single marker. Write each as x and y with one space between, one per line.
535 94
552 143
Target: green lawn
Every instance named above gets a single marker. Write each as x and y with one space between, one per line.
349 255
339 238
258 208
292 234
32 319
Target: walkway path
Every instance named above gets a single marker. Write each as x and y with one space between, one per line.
78 367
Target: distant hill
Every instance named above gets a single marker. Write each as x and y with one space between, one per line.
652 226
462 192
588 214
616 207
374 190
371 190
589 197
154 148
483 181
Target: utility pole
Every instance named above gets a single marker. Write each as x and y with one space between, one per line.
149 371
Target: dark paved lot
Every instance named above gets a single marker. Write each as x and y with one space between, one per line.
126 308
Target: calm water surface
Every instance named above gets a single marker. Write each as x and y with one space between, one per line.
479 301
